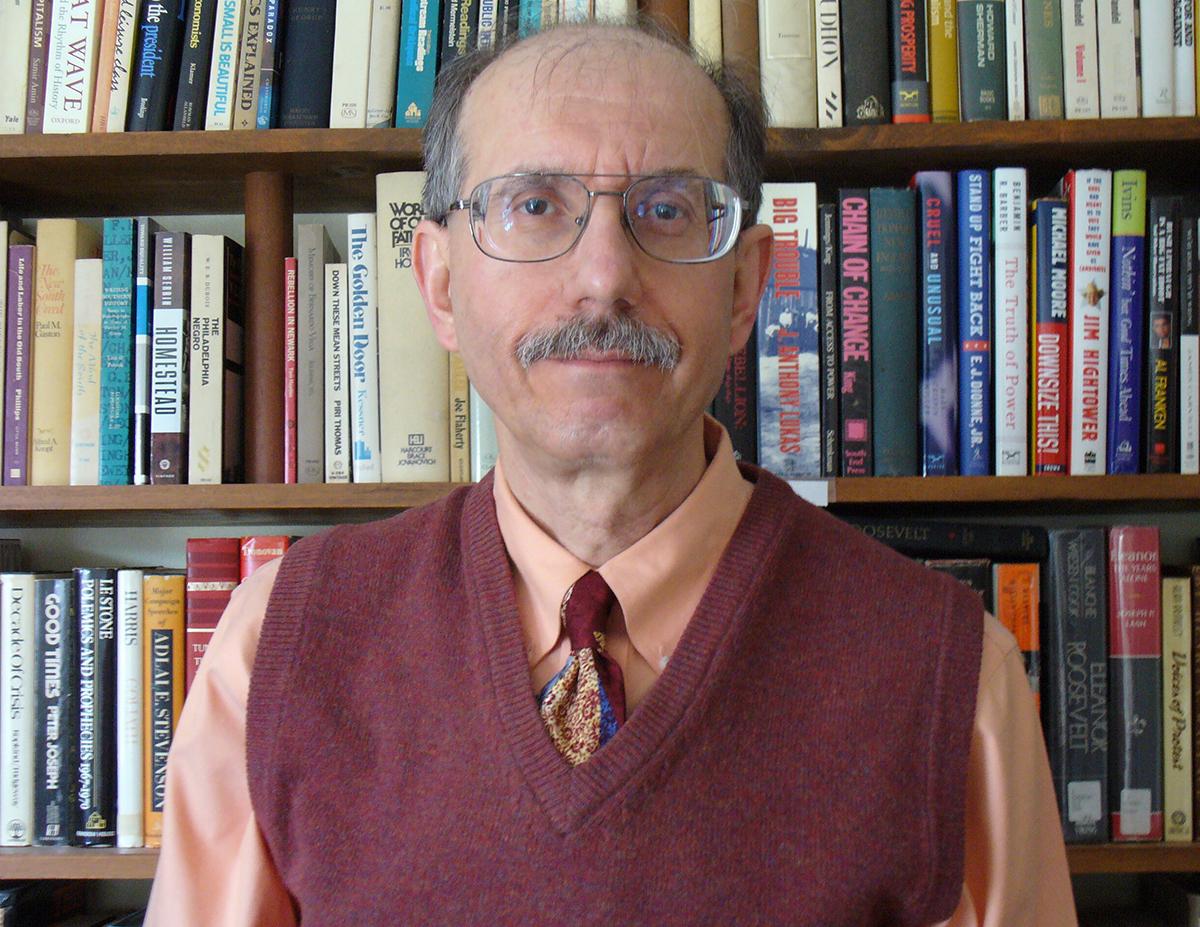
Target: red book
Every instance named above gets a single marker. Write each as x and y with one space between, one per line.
260 549
1135 717
213 572
289 371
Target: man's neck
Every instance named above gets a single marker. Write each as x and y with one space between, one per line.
596 512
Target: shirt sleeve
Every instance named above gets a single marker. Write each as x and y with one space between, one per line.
1016 863
214 867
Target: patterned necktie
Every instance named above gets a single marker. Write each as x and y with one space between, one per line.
585 703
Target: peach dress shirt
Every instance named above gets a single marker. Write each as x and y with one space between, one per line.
214 868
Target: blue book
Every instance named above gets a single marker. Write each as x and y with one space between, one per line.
116 353
530 20
939 323
268 93
974 323
143 294
1126 323
418 62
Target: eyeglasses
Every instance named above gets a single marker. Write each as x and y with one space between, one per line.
533 217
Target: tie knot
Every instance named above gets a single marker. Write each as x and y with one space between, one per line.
585 611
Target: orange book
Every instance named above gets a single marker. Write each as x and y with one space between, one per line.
104 65
1016 591
163 597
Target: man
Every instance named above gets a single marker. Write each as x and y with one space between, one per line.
620 680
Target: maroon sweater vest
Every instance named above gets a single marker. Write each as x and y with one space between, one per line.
801 760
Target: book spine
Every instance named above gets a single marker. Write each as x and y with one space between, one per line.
384 54
313 251
40 14
414 424
489 26
1050 315
14 66
259 550
168 396
1125 304
943 60
1157 35
160 34
1189 339
22 260
227 40
865 81
854 281
233 365
213 572
1184 55
71 67
460 421
939 329
143 303
85 373
920 538
829 310
1014 37
1011 283
195 63
290 328
736 405
829 64
267 113
120 81
1160 429
105 65
55 708
1177 655
982 72
1081 79
1090 199
337 392
1044 59
96 623
1017 602
1135 670
249 76
910 67
116 353
363 338
1077 667
787 62
17 612
484 450
1194 575
419 22
130 734
788 423
704 25
1117 55
974 323
163 673
204 337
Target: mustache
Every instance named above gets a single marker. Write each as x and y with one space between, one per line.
621 334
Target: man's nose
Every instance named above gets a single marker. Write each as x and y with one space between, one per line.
607 258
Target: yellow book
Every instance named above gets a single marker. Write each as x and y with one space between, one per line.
60 243
460 421
943 60
1177 708
163 596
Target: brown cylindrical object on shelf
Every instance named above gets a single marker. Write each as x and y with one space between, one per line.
268 242
671 14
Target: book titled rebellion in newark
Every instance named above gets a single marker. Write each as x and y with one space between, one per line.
163 604
96 624
55 707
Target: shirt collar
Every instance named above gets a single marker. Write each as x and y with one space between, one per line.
658 581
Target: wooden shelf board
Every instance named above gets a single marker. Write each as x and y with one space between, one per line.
1134 857
1066 493
76 863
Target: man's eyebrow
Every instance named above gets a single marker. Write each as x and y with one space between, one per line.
555 169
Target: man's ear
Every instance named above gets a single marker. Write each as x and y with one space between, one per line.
431 266
753 268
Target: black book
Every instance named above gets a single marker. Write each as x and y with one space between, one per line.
736 405
460 29
1075 649
55 707
919 538
973 572
866 84
96 621
306 64
191 96
1161 418
827 272
854 290
1188 350
155 68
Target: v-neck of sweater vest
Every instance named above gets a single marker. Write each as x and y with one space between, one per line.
571 795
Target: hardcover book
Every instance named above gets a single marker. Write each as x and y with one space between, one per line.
147 229
55 708
827 274
249 74
1014 39
169 362
39 51
460 421
267 114
213 572
855 285
156 66
1117 57
419 22
363 341
18 627
313 251
1177 656
943 60
71 66
85 373
116 353
1156 37
1184 55
829 64
788 62
14 65
118 40
736 405
259 550
1050 356
195 63
18 346
337 390
974 323
1161 424
866 86
290 333
1044 59
982 72
1189 336
1127 325
925 539
1016 601
910 68
1081 80
96 629
1011 321
130 691
163 597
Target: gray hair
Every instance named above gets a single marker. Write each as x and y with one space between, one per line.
446 160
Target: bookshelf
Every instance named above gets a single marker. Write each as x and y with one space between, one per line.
267 175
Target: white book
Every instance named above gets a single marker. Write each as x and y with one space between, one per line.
574 11
313 251
351 65
222 75
619 10
85 373
71 67
704 28
17 684
1189 394
337 362
484 449
14 64
829 64
364 347
206 362
1184 48
787 62
1011 320
1117 43
1081 76
414 424
385 50
120 81
130 756
1157 36
1177 717
1090 221
1014 39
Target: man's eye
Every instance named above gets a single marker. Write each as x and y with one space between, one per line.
665 211
535 206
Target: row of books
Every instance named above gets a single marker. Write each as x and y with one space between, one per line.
97 662
903 61
957 328
147 65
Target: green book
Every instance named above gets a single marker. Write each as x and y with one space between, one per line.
1043 59
982 70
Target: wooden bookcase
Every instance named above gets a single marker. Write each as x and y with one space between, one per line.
267 175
